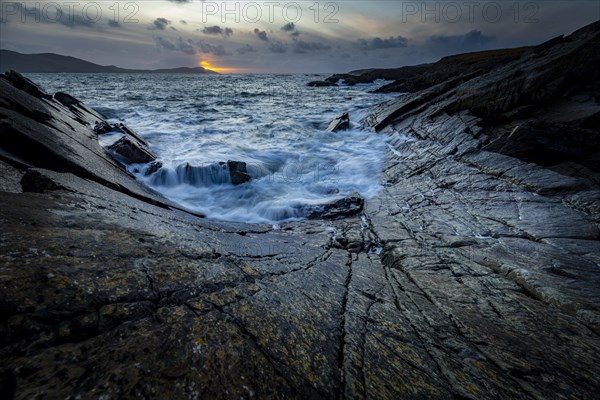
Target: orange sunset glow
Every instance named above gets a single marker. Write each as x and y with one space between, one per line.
221 70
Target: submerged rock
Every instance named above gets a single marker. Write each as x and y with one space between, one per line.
341 122
153 167
202 175
238 172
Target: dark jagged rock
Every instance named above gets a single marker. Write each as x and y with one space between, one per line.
419 77
102 127
472 274
451 67
350 205
43 133
341 122
24 84
238 172
153 168
131 152
321 84
66 99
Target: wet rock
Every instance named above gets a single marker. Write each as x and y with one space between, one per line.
128 132
341 122
321 84
238 172
131 152
43 133
24 84
102 127
342 208
153 167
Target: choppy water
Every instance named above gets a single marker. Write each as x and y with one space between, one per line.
274 123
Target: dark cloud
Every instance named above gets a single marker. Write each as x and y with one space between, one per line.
262 35
289 27
379 43
217 30
180 1
277 46
305 47
183 21
471 40
185 46
164 43
212 30
114 24
217 50
295 34
246 49
160 24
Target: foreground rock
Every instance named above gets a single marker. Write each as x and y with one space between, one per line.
473 274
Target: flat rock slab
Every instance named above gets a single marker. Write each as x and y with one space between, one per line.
471 275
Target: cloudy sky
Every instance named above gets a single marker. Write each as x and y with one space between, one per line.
281 36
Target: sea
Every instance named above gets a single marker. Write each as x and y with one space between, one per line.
274 123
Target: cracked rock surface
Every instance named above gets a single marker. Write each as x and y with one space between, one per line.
473 274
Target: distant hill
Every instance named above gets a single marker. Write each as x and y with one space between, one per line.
54 63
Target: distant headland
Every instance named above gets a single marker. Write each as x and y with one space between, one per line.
56 63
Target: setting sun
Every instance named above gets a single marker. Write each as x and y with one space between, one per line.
222 70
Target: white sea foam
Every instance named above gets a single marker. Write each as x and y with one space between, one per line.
273 123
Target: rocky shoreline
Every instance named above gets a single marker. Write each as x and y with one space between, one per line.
475 273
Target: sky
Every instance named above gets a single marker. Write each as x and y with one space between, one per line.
281 36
